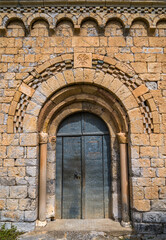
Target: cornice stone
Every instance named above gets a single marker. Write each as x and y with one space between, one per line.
6 3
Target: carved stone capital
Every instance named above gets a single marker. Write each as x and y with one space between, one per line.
43 137
122 137
52 139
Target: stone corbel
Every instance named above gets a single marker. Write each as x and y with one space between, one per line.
43 139
77 28
122 137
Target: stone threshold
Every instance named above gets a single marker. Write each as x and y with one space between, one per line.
102 225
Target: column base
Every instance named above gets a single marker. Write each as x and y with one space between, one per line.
125 224
41 223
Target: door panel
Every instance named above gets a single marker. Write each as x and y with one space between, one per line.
71 177
93 124
94 202
107 177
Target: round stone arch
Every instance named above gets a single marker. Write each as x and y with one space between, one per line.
77 98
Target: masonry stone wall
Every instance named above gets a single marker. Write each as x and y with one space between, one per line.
128 43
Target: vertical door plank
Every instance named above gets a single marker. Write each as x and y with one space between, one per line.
107 170
58 190
71 177
94 202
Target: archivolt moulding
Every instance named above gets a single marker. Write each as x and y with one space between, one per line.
117 78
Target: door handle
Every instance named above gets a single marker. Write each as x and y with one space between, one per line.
77 175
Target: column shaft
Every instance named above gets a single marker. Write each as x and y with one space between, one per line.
42 179
124 182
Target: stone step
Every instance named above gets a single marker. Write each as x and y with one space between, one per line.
79 229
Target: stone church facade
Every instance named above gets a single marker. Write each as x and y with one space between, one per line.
103 58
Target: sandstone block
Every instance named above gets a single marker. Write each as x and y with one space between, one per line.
30 216
32 192
85 41
82 60
32 152
2 204
27 204
140 41
2 151
28 139
7 181
151 192
158 182
3 171
162 192
13 216
12 204
157 42
157 163
8 162
25 227
139 67
18 191
138 193
30 123
16 171
161 172
142 205
148 151
116 41
154 67
144 182
140 90
10 139
31 171
154 217
24 88
144 163
140 139
4 191
33 108
149 172
158 205
15 152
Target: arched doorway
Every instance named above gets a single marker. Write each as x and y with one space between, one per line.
82 167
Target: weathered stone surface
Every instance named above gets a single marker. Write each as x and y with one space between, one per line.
159 205
13 216
142 205
28 139
31 171
32 192
7 181
18 191
154 217
32 152
4 191
12 204
30 216
15 152
148 228
27 204
25 227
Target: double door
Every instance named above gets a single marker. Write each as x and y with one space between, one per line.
82 168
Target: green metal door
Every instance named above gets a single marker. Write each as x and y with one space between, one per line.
82 168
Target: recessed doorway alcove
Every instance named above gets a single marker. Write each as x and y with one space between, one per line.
83 168
83 153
